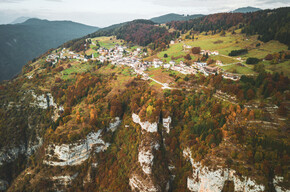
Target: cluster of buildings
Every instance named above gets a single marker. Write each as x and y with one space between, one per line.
120 56
208 52
65 54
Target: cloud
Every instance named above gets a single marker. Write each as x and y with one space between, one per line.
55 0
11 1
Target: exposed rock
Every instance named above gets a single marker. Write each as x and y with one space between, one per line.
166 123
145 159
8 155
77 153
204 179
146 126
45 101
276 181
137 183
143 181
64 180
114 125
3 185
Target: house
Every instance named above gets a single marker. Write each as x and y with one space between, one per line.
172 62
200 65
218 62
215 53
166 66
211 69
156 65
172 42
187 46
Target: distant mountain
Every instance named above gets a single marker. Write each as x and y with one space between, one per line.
22 42
20 20
246 10
174 17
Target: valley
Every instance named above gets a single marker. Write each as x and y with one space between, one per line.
146 107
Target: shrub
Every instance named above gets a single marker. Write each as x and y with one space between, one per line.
238 52
252 60
269 57
195 50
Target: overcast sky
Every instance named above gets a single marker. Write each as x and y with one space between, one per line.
103 13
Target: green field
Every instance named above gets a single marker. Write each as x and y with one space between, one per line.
225 44
283 67
175 50
108 42
238 69
80 68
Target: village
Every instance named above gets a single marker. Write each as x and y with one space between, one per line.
121 55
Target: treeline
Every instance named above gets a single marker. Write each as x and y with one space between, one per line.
213 22
238 52
141 32
269 24
77 45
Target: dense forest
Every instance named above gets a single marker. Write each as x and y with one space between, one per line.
269 24
91 125
140 32
23 42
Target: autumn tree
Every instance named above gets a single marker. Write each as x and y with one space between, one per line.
116 108
195 50
250 94
269 57
282 110
187 57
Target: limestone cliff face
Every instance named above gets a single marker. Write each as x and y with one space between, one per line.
76 153
145 181
25 127
205 179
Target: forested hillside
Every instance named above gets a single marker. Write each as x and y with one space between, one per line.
174 17
199 105
269 24
25 41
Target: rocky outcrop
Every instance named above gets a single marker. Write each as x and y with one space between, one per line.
114 124
144 181
204 179
276 181
146 126
138 183
145 156
3 185
9 154
45 101
64 180
76 153
166 123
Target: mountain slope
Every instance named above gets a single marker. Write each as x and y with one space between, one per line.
269 24
115 122
141 32
246 10
20 20
174 17
22 42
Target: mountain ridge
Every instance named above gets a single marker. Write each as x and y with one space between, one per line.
246 9
32 38
174 17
